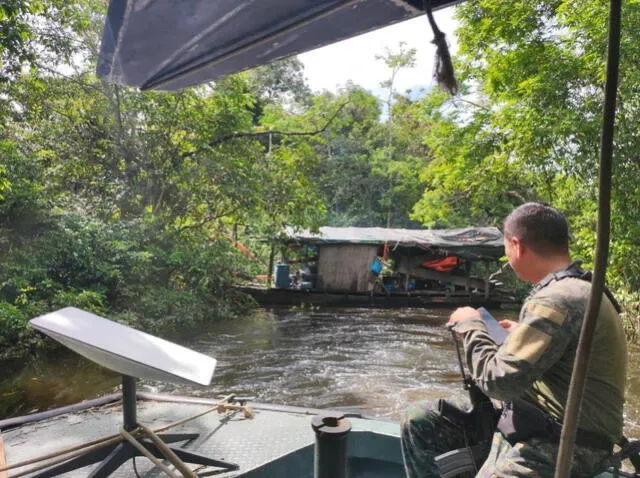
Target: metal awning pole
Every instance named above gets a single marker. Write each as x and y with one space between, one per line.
576 388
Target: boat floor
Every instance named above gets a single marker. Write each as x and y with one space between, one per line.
277 442
252 443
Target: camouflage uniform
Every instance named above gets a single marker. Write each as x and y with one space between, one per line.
535 363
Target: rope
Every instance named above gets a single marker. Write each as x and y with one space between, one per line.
168 452
219 407
138 446
443 66
78 450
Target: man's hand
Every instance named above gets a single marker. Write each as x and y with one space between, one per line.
508 325
462 313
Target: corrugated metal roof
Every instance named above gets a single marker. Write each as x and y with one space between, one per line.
469 242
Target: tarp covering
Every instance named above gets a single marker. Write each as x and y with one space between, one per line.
173 44
475 243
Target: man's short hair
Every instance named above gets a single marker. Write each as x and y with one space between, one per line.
542 228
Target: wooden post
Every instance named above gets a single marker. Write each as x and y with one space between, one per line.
406 281
487 284
270 271
467 273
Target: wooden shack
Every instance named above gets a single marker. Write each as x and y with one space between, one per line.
423 261
345 267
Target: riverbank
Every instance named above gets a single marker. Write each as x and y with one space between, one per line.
176 313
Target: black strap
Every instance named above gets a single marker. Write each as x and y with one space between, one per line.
522 420
577 272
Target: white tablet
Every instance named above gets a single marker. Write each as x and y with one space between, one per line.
497 333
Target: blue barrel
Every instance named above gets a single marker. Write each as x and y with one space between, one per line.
282 276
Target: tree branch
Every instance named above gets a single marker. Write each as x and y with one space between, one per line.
516 196
456 99
250 134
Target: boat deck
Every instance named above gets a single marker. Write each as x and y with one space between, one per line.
252 443
255 444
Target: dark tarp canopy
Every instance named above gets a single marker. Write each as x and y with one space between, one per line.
473 243
173 44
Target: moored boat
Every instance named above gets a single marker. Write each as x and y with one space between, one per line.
274 296
383 267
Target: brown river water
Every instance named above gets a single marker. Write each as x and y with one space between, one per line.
375 361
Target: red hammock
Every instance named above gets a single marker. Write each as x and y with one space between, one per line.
446 264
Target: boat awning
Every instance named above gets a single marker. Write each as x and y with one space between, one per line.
170 44
474 243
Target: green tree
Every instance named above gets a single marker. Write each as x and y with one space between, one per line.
281 81
346 177
33 34
391 161
527 124
121 202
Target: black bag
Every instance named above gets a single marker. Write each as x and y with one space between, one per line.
521 420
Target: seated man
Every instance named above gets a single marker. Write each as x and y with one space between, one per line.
530 372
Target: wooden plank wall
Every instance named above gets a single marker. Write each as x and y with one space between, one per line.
345 267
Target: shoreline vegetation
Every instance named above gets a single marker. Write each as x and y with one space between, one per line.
630 302
131 204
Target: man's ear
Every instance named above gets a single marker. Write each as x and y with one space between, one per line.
518 246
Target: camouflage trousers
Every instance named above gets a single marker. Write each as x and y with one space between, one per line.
425 434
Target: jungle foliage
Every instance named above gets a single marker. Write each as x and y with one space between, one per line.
528 124
131 204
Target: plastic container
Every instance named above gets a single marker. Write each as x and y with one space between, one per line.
281 275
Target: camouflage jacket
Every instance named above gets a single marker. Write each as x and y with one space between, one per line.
536 360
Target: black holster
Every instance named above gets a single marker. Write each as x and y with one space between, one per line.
454 415
479 424
479 421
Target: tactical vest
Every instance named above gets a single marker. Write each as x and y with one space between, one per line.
629 449
575 271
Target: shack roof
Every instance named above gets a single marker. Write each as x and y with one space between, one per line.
475 243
